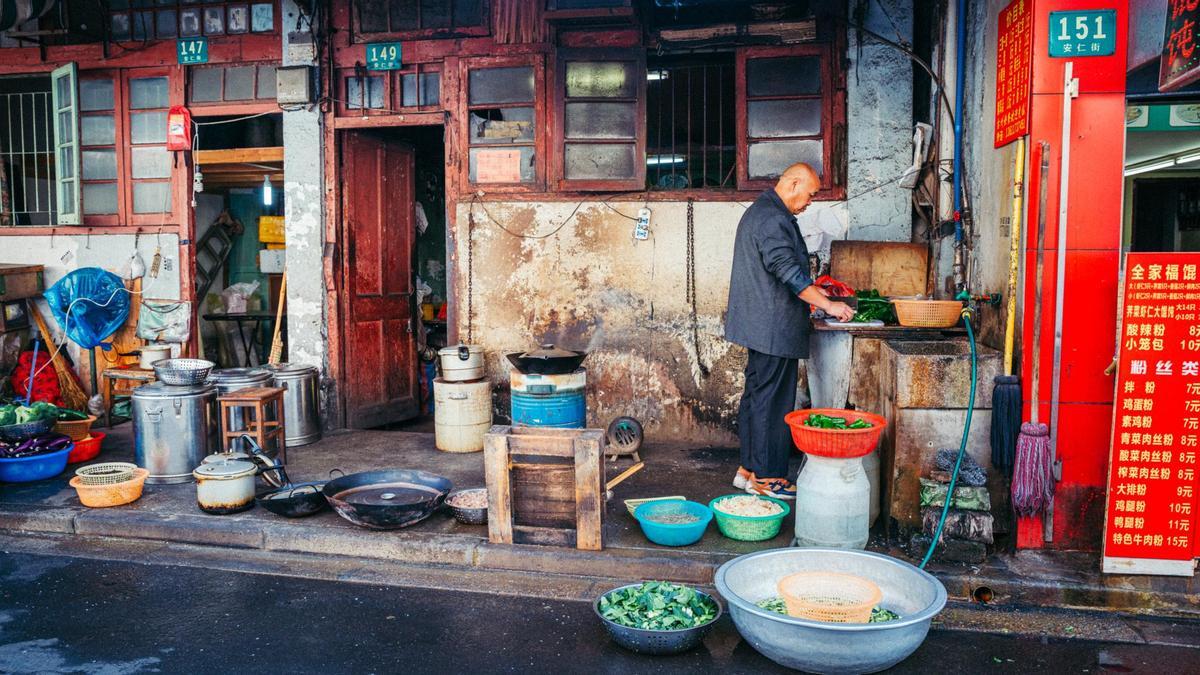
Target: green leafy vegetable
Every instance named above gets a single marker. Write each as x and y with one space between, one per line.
658 605
826 422
777 605
8 415
67 415
873 307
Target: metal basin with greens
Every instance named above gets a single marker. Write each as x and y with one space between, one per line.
820 647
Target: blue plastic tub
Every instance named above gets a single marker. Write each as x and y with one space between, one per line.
38 467
651 516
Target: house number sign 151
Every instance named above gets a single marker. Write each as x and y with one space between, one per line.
383 56
1083 33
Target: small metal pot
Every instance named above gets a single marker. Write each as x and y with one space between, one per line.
461 363
148 354
225 486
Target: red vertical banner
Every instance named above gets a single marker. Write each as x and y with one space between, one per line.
1153 472
1013 69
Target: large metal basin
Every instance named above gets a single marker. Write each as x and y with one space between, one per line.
819 647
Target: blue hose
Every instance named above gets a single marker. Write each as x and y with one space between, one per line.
962 447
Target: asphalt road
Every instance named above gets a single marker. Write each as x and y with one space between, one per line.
68 615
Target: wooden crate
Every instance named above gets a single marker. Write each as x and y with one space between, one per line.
18 282
545 486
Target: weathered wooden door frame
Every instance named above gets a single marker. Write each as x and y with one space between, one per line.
335 263
345 314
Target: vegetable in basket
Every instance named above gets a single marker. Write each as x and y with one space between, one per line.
776 604
8 415
826 422
658 605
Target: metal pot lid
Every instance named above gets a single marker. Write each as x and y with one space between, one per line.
455 350
170 391
290 369
230 375
548 352
388 494
226 469
236 455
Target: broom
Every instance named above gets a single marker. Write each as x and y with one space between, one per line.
1032 472
1006 389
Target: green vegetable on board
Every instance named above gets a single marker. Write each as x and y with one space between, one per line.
873 307
776 604
657 605
827 422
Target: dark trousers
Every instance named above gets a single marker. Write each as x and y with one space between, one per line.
770 395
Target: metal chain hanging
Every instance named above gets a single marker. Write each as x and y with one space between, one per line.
691 284
471 274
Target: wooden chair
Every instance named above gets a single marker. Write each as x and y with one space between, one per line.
260 410
122 382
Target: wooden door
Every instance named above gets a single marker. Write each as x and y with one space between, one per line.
377 224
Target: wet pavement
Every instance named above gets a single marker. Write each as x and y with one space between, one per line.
68 615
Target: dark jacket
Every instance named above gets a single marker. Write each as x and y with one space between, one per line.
770 268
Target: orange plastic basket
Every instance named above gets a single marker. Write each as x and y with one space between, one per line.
829 596
839 443
928 313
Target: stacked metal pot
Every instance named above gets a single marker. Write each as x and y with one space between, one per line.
462 400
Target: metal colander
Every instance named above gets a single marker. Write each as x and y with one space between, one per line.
182 372
105 473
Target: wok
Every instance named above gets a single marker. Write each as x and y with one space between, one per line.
387 499
548 360
294 500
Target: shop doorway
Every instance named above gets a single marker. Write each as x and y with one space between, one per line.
1162 177
389 207
240 245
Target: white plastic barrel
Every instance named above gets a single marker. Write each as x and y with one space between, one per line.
833 504
870 465
462 414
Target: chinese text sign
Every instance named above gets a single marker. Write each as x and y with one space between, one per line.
1013 62
1180 62
1153 468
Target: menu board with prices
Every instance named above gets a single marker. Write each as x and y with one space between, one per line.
1014 46
1154 473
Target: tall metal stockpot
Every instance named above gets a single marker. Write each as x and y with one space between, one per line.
174 428
301 416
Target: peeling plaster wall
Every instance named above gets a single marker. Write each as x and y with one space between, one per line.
304 225
592 286
879 96
988 171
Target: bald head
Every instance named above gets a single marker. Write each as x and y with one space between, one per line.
797 186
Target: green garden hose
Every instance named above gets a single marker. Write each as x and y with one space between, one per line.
962 447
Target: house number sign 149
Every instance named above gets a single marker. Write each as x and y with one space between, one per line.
1083 33
191 51
383 56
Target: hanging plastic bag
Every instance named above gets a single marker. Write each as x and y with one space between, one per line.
90 304
237 296
165 321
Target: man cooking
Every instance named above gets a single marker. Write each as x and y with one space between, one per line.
770 292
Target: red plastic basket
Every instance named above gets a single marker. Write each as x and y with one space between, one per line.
839 443
86 449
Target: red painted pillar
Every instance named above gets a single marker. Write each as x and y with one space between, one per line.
1092 250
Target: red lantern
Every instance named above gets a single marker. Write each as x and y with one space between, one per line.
179 128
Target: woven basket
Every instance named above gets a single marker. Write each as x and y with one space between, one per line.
928 313
838 443
829 596
105 473
78 430
112 494
749 528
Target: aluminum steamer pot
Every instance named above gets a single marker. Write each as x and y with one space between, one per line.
461 363
388 499
225 486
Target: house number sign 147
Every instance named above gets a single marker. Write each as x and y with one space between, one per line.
191 51
1083 33
383 56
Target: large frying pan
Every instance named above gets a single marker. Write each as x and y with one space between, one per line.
548 360
387 499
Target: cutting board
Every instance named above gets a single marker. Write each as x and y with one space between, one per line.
895 269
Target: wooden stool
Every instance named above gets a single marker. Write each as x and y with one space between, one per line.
254 407
114 378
